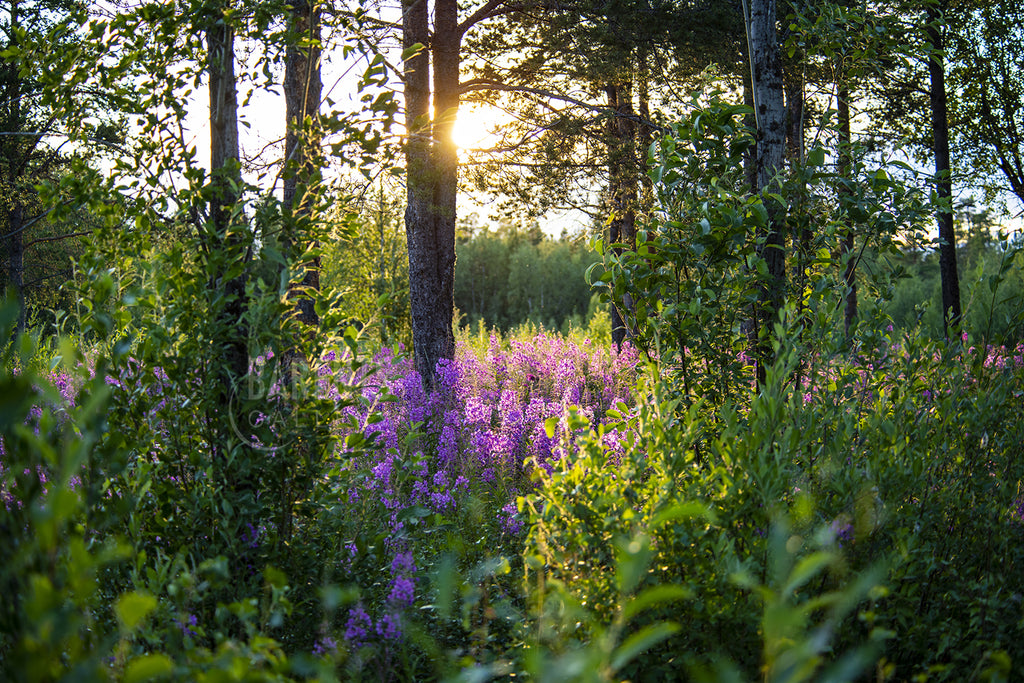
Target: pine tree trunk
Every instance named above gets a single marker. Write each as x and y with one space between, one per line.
431 180
623 182
645 133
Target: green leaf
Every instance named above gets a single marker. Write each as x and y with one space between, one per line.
413 512
275 577
633 557
148 667
688 510
816 157
654 596
550 425
412 51
133 607
806 569
642 640
759 214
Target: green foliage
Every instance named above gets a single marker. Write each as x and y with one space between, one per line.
212 475
505 278
53 613
991 286
366 261
894 469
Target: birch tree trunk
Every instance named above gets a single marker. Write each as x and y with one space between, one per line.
769 108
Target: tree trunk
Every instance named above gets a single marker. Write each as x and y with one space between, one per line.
225 181
302 92
431 180
15 161
951 311
749 120
794 94
769 107
645 133
16 260
845 141
623 182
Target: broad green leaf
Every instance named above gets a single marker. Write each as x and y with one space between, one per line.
816 157
148 667
133 607
688 510
550 425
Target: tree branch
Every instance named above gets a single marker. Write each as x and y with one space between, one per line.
476 84
55 238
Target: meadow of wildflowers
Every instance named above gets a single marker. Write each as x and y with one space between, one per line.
539 449
425 463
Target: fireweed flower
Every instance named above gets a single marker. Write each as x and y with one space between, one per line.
389 627
186 623
403 592
358 626
403 563
1017 513
325 645
509 520
842 531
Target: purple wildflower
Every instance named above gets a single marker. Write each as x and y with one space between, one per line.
403 592
390 626
358 626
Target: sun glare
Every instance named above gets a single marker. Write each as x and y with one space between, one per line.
475 127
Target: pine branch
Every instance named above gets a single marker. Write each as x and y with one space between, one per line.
476 84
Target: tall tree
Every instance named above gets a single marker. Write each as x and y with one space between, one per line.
433 53
224 242
845 151
624 170
432 177
770 110
303 87
951 311
585 98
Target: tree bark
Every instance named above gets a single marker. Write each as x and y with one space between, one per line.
302 91
16 260
225 180
623 182
431 179
749 120
645 133
951 311
769 107
794 94
845 140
